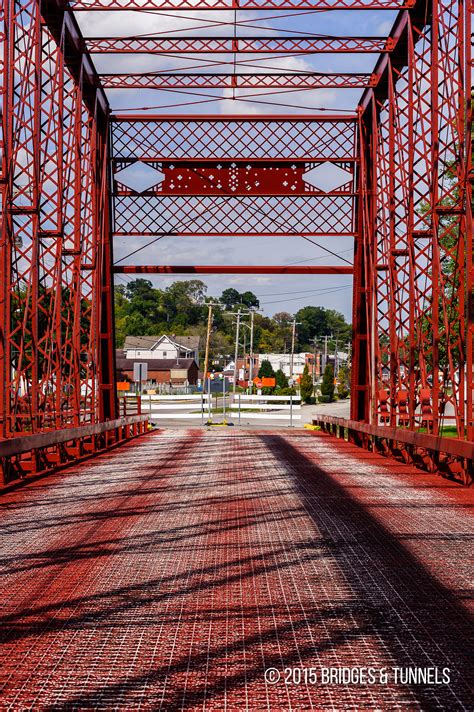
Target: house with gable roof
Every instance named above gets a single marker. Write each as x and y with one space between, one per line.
142 348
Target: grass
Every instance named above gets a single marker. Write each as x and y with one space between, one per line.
445 431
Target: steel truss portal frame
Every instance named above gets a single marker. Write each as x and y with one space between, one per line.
407 202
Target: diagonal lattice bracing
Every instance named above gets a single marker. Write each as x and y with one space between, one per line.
268 197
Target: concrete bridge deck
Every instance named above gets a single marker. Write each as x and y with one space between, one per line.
171 573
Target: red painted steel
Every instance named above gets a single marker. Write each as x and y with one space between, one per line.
92 5
406 147
171 573
416 226
247 45
53 248
283 80
233 269
422 449
52 449
240 207
224 178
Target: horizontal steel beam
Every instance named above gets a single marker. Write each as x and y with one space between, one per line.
250 45
28 443
234 269
433 445
64 28
320 118
311 80
239 4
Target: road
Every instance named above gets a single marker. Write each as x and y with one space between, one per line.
169 574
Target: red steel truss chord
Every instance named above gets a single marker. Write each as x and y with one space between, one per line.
249 45
233 269
240 4
238 81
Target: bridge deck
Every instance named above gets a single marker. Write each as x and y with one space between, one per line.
169 574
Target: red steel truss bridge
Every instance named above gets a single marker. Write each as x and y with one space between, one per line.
174 568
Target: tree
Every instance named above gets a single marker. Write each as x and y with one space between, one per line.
343 382
229 297
281 379
283 318
249 299
306 385
327 386
266 341
313 323
316 322
266 370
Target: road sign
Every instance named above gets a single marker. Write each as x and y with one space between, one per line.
140 371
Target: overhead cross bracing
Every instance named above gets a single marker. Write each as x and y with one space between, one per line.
250 45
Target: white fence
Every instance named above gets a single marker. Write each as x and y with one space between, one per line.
198 406
191 406
267 407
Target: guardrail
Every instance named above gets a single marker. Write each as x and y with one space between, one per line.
39 453
448 456
267 405
177 407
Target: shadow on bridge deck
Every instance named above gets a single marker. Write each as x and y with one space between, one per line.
171 573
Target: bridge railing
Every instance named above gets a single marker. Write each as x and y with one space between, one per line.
448 456
36 454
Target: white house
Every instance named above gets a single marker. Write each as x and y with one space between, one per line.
283 362
161 347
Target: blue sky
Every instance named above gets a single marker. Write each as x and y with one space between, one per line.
276 293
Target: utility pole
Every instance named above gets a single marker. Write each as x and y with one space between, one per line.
349 353
293 336
236 350
315 341
208 339
336 360
326 337
252 314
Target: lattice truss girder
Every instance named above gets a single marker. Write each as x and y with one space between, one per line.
418 229
53 203
281 80
236 195
247 45
240 4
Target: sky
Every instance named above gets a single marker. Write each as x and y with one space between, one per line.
276 292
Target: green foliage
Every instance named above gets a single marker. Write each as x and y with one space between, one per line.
281 379
286 392
327 385
306 385
266 370
142 309
249 299
316 322
231 298
342 387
